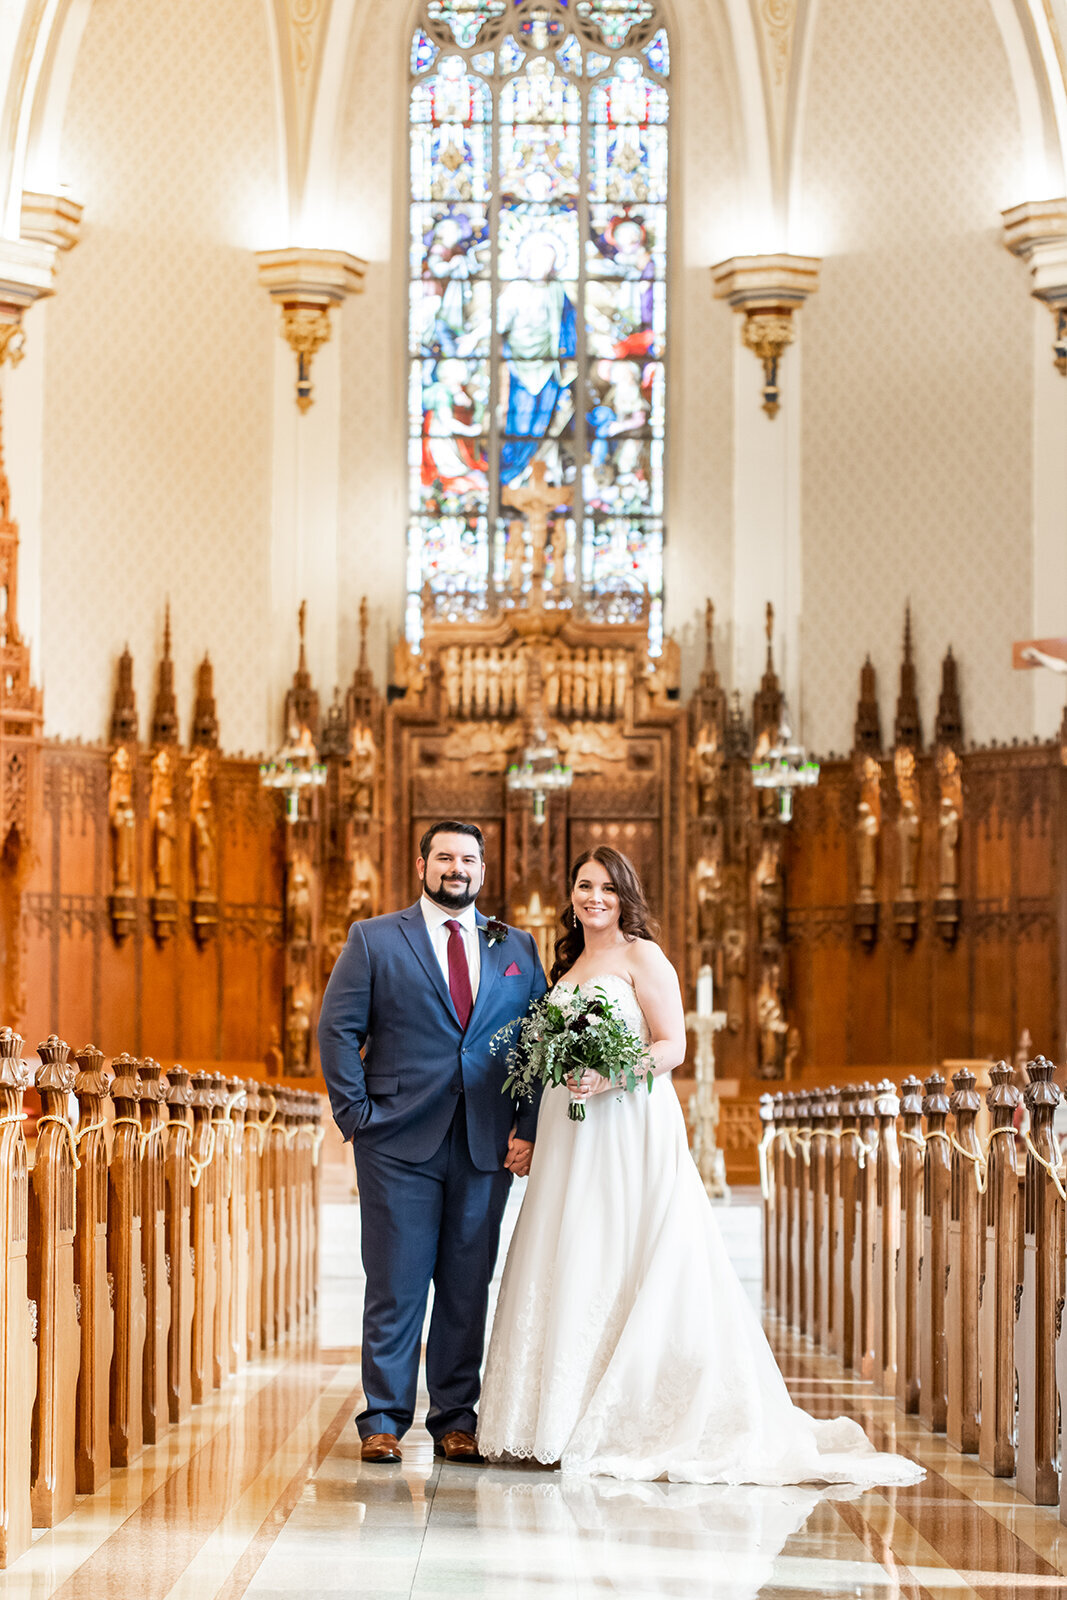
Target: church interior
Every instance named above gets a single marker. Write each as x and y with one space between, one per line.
639 422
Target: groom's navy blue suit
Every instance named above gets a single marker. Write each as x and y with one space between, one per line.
421 1099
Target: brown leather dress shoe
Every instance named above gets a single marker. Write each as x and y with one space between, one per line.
459 1446
381 1447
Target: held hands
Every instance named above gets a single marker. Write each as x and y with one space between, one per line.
520 1152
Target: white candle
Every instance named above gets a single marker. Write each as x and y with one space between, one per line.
705 992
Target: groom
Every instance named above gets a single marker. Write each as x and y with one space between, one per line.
404 1037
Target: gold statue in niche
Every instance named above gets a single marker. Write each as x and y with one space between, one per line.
204 848
122 818
868 827
364 896
950 811
164 836
909 825
298 901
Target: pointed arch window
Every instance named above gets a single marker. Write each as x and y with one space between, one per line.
537 300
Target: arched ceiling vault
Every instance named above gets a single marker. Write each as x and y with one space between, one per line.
766 43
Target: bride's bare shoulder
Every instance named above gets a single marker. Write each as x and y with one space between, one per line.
645 959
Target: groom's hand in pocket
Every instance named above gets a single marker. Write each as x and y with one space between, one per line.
517 1160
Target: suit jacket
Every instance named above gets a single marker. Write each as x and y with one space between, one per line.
394 1055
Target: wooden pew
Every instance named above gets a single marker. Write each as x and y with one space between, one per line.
92 1443
178 1092
202 1233
51 1286
829 1265
222 1180
798 1251
845 1230
818 1223
961 1300
866 1147
909 1256
779 1207
275 1199
1000 1253
937 1179
237 1333
1042 1288
18 1354
124 1259
290 1222
302 1151
886 1237
254 1142
155 1399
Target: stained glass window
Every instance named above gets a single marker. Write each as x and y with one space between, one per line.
537 302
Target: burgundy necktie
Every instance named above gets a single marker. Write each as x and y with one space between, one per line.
459 975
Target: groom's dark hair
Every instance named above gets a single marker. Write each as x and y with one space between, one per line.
451 827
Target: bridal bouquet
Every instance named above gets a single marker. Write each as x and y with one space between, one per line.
565 1034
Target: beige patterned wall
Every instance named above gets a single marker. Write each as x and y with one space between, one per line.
917 366
373 498
159 369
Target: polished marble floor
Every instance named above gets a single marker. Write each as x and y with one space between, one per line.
262 1494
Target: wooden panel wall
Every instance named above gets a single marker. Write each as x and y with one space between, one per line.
934 1001
168 1000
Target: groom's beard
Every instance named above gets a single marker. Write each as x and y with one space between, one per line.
455 896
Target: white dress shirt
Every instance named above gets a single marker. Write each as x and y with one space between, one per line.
436 916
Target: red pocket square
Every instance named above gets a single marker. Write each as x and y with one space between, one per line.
514 971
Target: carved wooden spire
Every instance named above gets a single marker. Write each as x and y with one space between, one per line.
361 699
124 703
205 720
867 738
165 713
708 706
302 701
949 728
767 705
907 729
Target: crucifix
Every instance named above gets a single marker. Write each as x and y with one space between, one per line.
539 503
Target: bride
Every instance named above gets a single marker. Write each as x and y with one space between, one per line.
623 1342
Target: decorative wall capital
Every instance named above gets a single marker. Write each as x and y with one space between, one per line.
26 272
1036 232
51 219
306 283
767 289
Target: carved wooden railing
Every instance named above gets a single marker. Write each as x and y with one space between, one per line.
134 1269
930 1259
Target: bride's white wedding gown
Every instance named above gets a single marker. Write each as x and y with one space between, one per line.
623 1342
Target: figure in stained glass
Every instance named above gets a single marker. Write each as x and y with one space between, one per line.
537 320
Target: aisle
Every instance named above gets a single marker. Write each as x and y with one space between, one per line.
263 1495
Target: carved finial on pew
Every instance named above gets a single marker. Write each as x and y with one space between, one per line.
16 1331
909 1258
907 729
92 1459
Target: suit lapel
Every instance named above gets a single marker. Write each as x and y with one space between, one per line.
415 931
490 968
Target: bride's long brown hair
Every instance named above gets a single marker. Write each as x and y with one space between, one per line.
635 919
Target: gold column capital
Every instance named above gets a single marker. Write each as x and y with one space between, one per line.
27 269
767 289
306 283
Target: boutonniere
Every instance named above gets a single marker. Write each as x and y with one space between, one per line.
495 931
